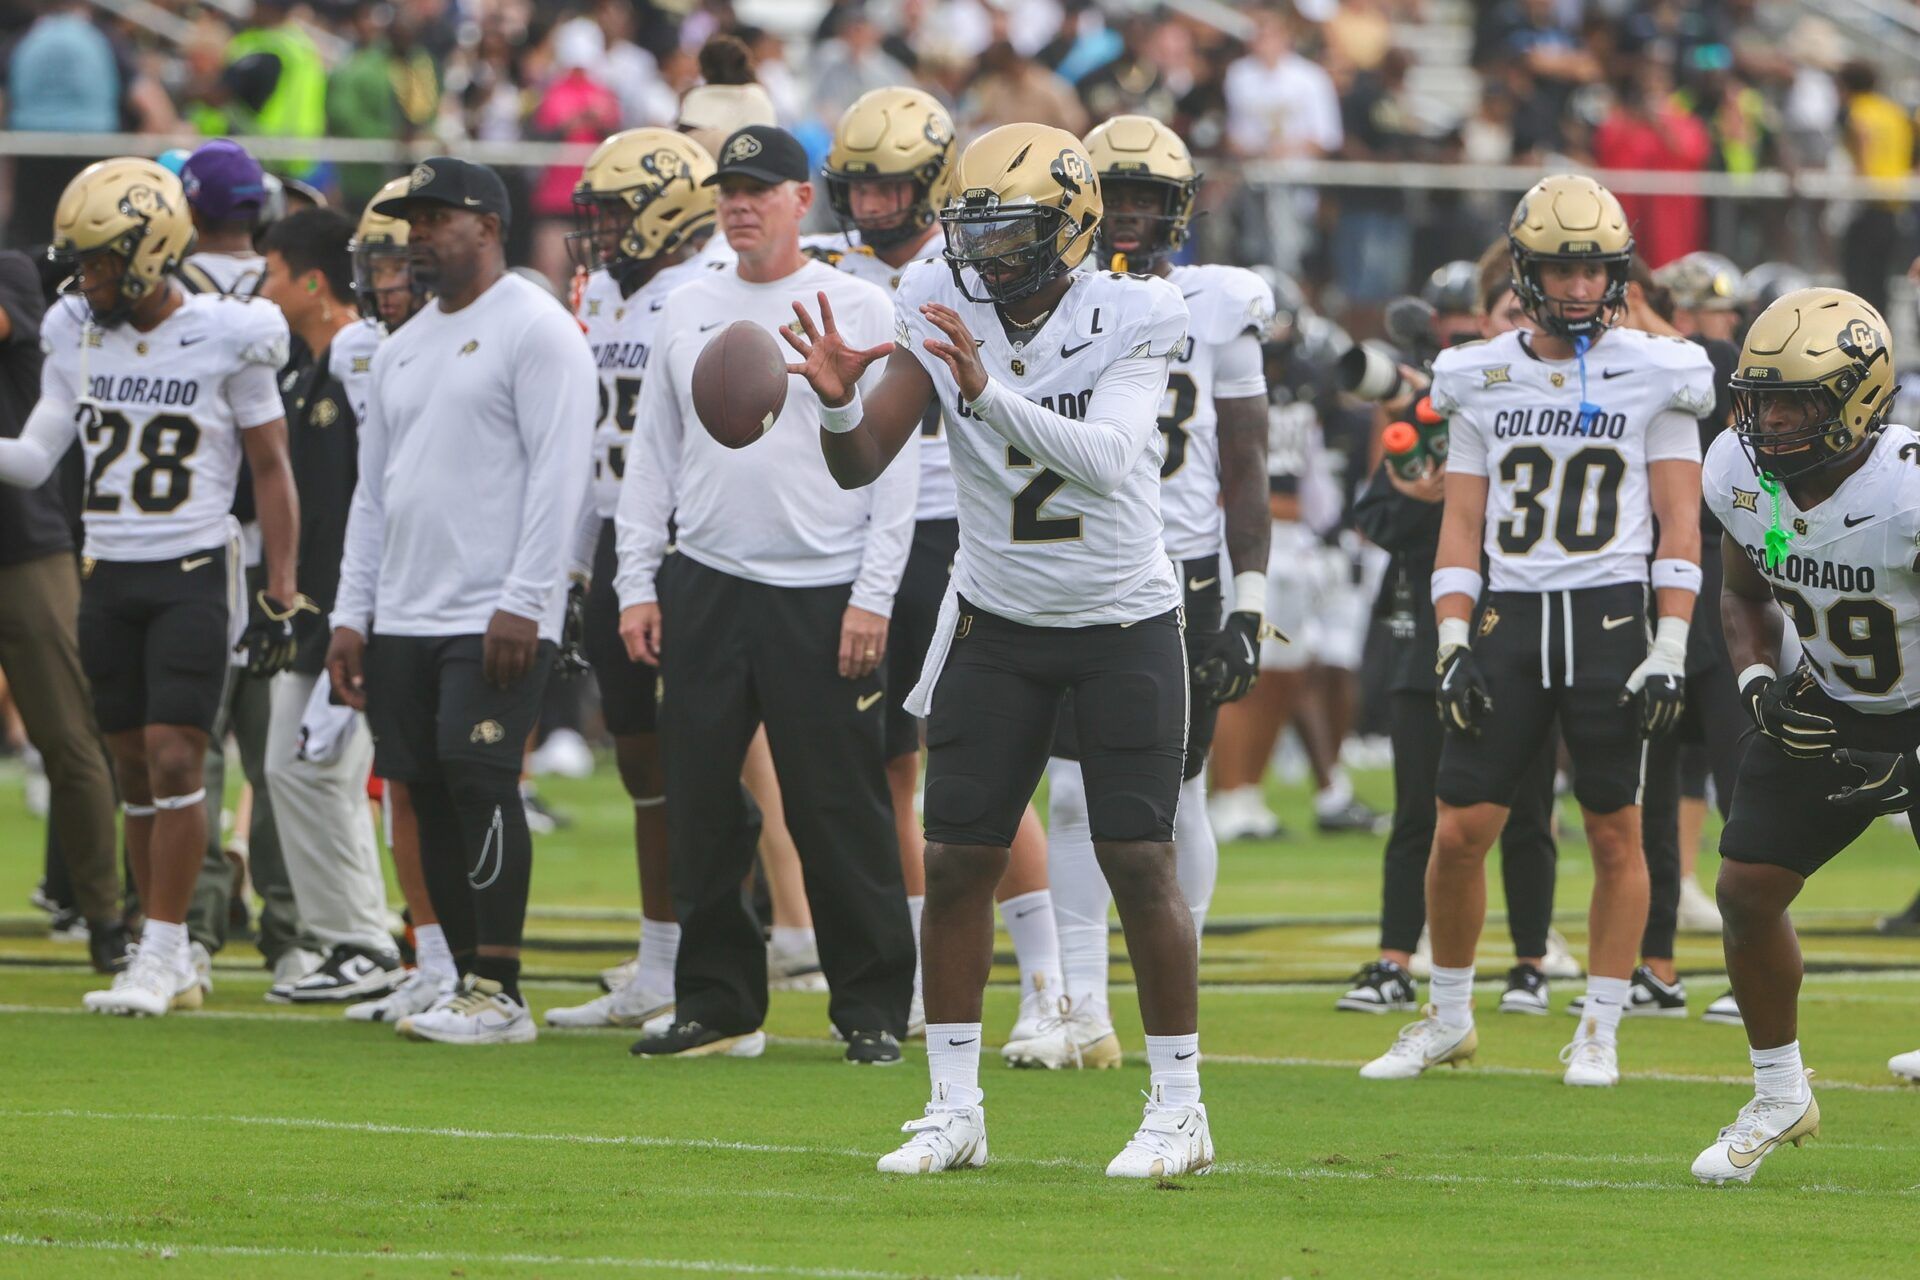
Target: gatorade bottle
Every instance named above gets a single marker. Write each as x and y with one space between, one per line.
1433 429
1404 452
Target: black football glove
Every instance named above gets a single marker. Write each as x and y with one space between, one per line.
1797 732
1659 684
1462 696
1888 783
1232 664
271 639
569 660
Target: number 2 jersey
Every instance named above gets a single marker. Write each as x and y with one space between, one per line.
1035 546
1568 502
1849 582
162 429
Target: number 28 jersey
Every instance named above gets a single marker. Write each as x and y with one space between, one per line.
1568 503
160 415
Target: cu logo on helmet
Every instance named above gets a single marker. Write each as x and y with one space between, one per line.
1860 339
1073 170
665 165
144 201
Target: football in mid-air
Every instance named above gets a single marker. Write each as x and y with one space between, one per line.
739 384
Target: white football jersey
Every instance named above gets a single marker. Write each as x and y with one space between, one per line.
1849 583
165 409
1227 305
1036 547
1568 504
620 331
350 359
236 273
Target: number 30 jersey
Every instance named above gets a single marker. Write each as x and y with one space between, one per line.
1230 309
1850 582
1568 503
1036 547
160 415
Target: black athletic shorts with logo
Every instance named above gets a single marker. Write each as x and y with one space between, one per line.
156 639
1781 815
1204 614
629 690
1564 654
428 703
992 725
916 610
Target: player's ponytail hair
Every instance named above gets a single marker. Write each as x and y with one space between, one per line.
726 60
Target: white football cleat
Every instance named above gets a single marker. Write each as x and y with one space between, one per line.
1560 962
1590 1062
149 987
916 1018
200 960
1068 1039
1038 1007
1420 1045
1172 1140
628 1006
478 1012
619 975
419 993
943 1139
1906 1066
1724 1010
1762 1126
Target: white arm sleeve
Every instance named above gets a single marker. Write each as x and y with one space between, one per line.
1673 435
653 468
49 431
366 525
1466 447
1096 453
1238 371
555 387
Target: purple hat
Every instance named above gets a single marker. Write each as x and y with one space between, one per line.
223 182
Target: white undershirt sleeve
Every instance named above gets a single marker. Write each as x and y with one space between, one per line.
555 389
1673 436
45 438
1098 452
1466 447
253 391
1238 371
653 469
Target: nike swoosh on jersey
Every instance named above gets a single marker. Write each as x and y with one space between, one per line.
1614 624
193 338
863 703
1851 521
715 325
198 562
1612 373
1068 353
1200 584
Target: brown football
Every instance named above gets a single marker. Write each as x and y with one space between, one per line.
740 384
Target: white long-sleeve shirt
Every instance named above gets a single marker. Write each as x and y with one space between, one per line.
475 455
770 513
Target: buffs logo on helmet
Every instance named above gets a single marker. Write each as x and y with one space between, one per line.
1025 210
1570 218
640 196
1814 383
893 135
1134 152
128 209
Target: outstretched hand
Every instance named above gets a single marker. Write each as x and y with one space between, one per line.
830 366
960 353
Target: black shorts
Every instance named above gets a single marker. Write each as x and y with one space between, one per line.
629 690
916 608
994 709
1203 611
428 703
156 639
1781 815
1537 668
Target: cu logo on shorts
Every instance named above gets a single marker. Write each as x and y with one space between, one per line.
487 732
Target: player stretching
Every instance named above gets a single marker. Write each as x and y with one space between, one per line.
1820 502
165 390
1051 385
1566 444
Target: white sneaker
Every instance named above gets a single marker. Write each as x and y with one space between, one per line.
1590 1062
795 968
1698 912
149 987
1725 1010
1068 1038
619 975
419 993
1762 1126
1037 1007
1906 1066
942 1139
477 1013
1420 963
1172 1140
1241 814
628 1006
1559 962
200 960
293 965
565 754
1420 1045
917 1018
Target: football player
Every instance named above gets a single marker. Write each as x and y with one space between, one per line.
1051 385
166 390
1565 443
1213 425
383 279
226 192
642 209
1820 503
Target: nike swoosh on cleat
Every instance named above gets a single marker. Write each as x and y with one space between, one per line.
1614 624
1200 584
958 1043
1851 521
1068 353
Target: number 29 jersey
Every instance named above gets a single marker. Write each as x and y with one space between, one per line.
160 415
1568 503
1850 582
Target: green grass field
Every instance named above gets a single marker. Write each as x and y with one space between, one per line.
255 1140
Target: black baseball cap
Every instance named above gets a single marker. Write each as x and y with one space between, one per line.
763 152
456 183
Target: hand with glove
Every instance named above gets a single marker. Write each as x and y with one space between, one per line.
1462 697
1232 663
1799 733
271 639
569 660
1886 784
1660 681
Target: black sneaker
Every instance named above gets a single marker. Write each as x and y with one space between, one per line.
108 946
1647 997
1724 1010
690 1039
1904 925
1354 818
1381 987
67 925
873 1049
348 973
1526 991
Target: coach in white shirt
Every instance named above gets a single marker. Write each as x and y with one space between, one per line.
773 610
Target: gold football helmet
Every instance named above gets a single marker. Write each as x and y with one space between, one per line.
1140 151
1570 218
1024 210
1814 382
640 196
891 135
383 281
132 209
1702 282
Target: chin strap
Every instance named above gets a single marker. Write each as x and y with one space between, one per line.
1778 536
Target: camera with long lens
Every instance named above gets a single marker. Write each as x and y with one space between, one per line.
1371 370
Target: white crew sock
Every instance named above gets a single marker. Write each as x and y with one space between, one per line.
916 904
1080 895
1451 991
1777 1073
1337 795
167 941
791 937
1606 1001
1036 940
1175 1065
659 950
953 1061
431 954
1196 854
